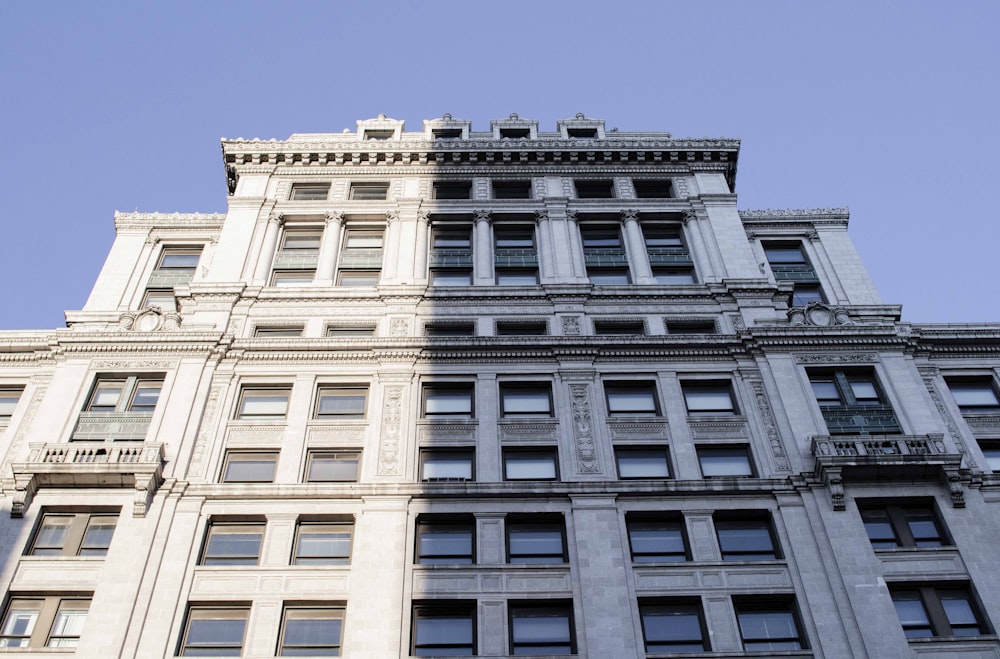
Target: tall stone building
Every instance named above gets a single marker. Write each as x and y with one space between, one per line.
498 393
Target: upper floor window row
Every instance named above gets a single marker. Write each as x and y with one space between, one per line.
9 398
642 188
789 262
975 395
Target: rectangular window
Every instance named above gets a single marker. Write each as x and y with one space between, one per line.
536 540
332 466
604 255
516 277
347 402
991 451
214 631
541 627
691 327
453 190
892 526
709 398
746 537
359 278
926 611
299 240
522 328
657 538
673 626
179 260
310 191
459 238
369 191
789 263
363 239
530 464
651 462
263 403
233 543
360 258
512 189
74 534
768 625
43 622
288 278
323 542
278 332
249 467
627 399
514 237
619 328
451 277
977 395
9 397
450 329
446 540
594 189
525 399
652 188
313 631
444 628
852 403
127 394
608 276
669 258
379 135
160 297
515 133
725 461
348 331
447 465
440 400
447 134
581 133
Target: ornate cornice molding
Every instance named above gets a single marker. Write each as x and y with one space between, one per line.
797 213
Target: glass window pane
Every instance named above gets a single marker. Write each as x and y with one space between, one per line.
216 632
673 628
440 543
363 241
655 541
708 400
250 468
68 625
8 402
673 276
179 260
974 394
879 528
912 614
448 401
359 278
769 630
332 467
608 277
323 544
233 545
146 395
19 623
745 540
312 632
526 401
51 536
924 528
776 254
864 390
106 396
342 402
264 403
516 278
826 392
532 465
97 537
724 462
540 544
631 400
447 465
642 463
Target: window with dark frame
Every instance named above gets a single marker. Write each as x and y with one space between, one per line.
619 328
453 190
309 191
581 133
443 628
446 133
311 630
444 400
768 624
530 464
669 258
341 402
515 258
541 627
720 461
332 466
673 625
746 537
657 538
44 622
604 254
249 467
975 395
378 135
74 534
277 331
323 542
525 399
233 543
515 133
348 331
588 189
536 539
991 452
512 189
631 399
709 398
446 540
649 462
447 464
450 329
369 191
180 260
788 262
691 327
852 402
159 297
895 525
937 610
124 394
214 630
653 188
263 403
9 398
522 328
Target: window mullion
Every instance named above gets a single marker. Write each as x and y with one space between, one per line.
900 526
845 388
43 625
128 390
74 534
935 612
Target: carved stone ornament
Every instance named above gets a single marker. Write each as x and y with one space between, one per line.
482 215
571 325
834 358
388 458
586 453
541 216
150 319
399 327
817 314
630 214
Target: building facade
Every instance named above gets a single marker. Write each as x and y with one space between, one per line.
504 393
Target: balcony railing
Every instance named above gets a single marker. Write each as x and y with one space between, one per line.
605 257
361 257
515 257
451 258
886 457
678 256
164 279
860 419
299 259
135 465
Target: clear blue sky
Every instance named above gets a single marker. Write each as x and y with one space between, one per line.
890 108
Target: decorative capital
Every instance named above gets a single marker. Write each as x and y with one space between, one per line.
391 216
336 217
689 216
277 218
630 215
483 215
572 215
423 216
541 216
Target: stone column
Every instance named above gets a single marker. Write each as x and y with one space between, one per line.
696 246
274 224
636 246
390 248
483 248
576 247
543 247
329 248
420 249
